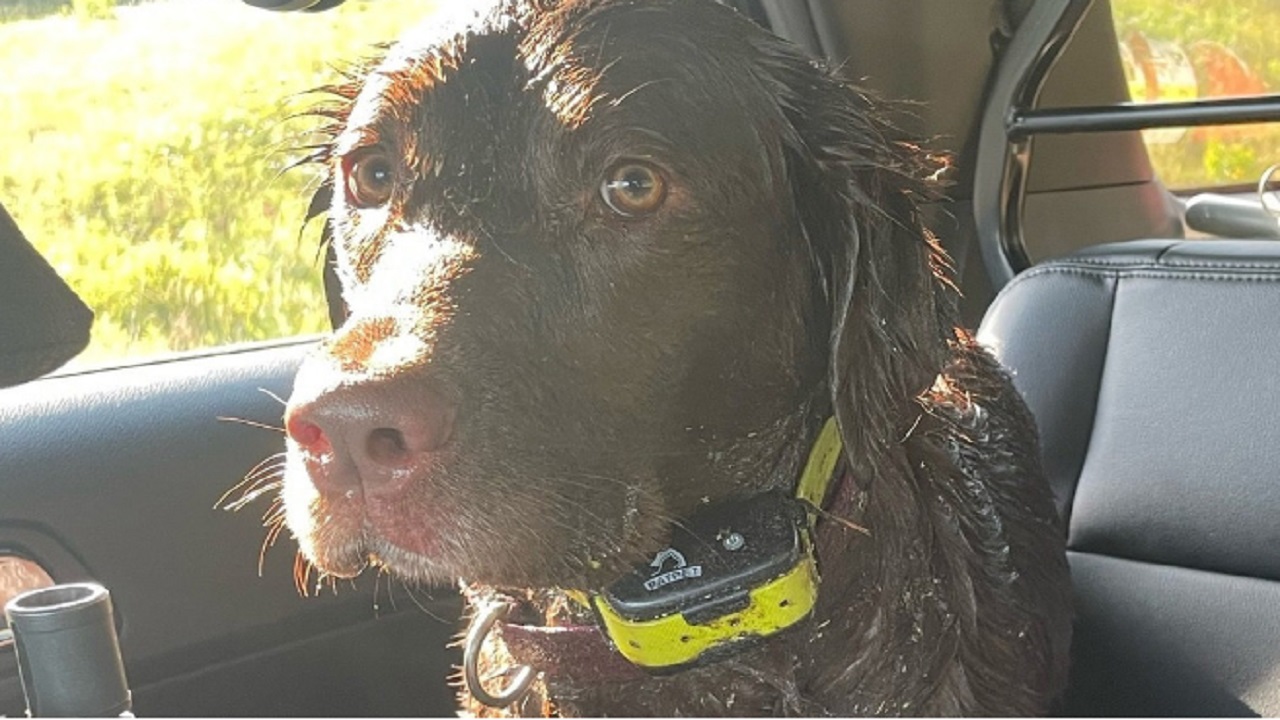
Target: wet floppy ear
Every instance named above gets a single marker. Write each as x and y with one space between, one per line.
320 202
886 280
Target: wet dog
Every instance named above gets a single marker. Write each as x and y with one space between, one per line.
606 262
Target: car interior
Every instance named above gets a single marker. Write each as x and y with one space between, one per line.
1134 320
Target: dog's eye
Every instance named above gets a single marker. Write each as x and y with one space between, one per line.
370 177
633 188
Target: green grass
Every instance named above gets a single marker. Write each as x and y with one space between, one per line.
144 160
144 147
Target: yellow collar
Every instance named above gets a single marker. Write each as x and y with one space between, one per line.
816 478
625 648
783 590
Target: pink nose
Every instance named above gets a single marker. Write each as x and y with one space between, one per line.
377 434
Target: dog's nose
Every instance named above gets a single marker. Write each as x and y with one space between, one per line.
378 435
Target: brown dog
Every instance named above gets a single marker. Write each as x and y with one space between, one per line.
609 261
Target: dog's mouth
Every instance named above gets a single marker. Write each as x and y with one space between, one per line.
344 531
461 517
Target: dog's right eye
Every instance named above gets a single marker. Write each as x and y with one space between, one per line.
634 188
370 177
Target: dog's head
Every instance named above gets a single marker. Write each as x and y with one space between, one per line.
604 261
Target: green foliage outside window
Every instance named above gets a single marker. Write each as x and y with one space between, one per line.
1214 35
145 143
93 9
144 154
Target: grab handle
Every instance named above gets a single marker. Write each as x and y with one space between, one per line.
68 654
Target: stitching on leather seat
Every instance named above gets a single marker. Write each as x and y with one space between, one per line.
1111 555
1113 288
1144 272
1177 262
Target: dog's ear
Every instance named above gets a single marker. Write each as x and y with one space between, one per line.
320 202
884 278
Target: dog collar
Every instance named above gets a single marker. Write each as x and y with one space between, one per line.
734 574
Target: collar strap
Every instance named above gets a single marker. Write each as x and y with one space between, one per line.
815 480
579 654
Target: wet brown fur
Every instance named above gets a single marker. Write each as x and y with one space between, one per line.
612 374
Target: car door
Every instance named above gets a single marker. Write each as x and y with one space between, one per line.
113 476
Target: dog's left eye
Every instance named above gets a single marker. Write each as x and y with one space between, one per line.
634 188
370 177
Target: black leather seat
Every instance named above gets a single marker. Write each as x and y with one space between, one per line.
1153 369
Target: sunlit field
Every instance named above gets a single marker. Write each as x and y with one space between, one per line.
145 142
1224 48
143 157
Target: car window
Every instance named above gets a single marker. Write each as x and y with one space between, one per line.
145 143
1176 50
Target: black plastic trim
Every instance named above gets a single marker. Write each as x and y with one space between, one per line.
1000 174
1137 116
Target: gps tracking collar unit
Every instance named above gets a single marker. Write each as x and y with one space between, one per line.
735 573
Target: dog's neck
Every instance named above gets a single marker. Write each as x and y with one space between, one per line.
556 633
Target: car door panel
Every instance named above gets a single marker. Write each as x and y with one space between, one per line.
113 475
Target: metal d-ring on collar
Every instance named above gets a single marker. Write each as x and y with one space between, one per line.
489 616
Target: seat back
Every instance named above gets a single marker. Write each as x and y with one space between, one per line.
1153 370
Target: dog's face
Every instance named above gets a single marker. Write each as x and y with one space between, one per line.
583 296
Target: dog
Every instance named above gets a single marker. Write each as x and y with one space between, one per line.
604 263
